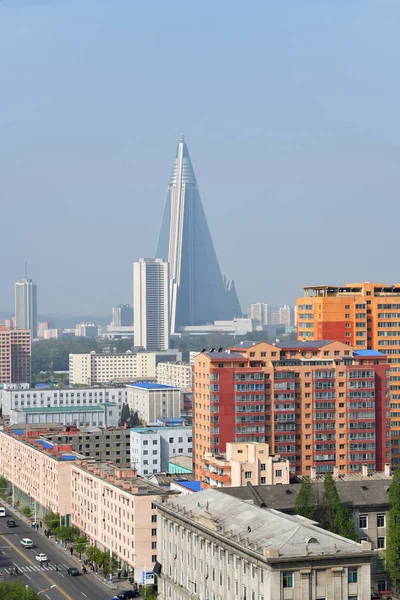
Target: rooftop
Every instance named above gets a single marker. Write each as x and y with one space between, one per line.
149 430
66 409
149 385
182 461
368 353
165 479
261 529
224 355
31 438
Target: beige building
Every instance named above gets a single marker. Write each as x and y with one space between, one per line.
244 463
175 374
15 355
37 469
116 509
92 368
215 546
154 401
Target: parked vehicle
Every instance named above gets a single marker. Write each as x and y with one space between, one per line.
11 523
26 543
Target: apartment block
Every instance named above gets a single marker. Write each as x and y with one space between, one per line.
93 369
152 447
244 463
15 355
362 315
154 401
15 396
212 545
37 469
175 374
261 313
315 403
106 414
116 508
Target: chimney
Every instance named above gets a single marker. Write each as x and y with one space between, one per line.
313 473
364 470
387 470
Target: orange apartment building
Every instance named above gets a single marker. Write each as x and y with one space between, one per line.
321 404
15 355
364 316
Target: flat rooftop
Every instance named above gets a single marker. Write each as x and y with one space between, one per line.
66 409
149 385
158 428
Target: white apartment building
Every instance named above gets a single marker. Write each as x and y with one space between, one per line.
286 314
152 447
98 415
115 507
26 306
154 401
21 395
175 374
214 546
93 369
88 330
151 303
261 313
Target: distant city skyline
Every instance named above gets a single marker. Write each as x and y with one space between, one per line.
295 139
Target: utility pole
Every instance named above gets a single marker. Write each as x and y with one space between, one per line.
111 577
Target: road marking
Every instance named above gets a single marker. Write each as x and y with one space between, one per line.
83 594
30 561
47 596
27 576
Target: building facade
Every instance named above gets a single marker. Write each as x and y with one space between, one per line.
15 355
14 396
154 401
106 414
244 463
94 369
151 302
214 547
152 447
175 374
117 511
362 315
122 315
261 313
199 293
86 330
315 403
26 306
286 314
44 326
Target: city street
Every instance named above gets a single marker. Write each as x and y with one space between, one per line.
51 584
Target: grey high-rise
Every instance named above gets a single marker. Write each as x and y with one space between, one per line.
26 306
199 293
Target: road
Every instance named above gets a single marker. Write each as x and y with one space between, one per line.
52 584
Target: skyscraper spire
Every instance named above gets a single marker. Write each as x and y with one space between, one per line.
198 293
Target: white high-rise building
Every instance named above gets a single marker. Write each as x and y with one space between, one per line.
26 305
261 312
286 314
151 303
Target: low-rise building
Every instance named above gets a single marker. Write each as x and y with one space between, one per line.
37 470
93 369
13 396
175 374
180 464
152 447
244 463
216 546
111 444
154 401
116 509
105 414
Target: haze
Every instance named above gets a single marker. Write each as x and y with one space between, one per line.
290 112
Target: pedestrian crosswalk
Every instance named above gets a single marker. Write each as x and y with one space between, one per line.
31 568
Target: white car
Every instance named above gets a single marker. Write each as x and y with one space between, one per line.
41 557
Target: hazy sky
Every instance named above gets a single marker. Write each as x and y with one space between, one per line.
291 114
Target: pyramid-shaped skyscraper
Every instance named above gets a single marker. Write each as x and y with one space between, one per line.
199 293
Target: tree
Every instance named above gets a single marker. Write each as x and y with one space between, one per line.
16 590
393 533
94 555
125 415
134 420
52 521
66 534
109 565
331 514
80 545
27 511
305 499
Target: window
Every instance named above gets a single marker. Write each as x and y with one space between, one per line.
352 575
171 440
247 474
278 473
287 579
263 480
363 522
380 520
154 532
145 442
262 466
381 542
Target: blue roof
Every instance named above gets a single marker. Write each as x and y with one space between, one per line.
368 353
148 385
195 486
42 385
68 457
45 444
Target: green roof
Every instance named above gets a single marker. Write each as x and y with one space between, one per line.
60 409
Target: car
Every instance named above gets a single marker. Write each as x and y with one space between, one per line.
26 543
41 557
2 511
126 594
11 523
73 571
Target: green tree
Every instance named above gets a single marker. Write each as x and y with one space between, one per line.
331 514
134 420
305 499
52 521
3 485
109 565
27 511
16 590
393 533
80 545
94 555
125 415
66 534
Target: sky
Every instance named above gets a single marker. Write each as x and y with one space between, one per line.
290 110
